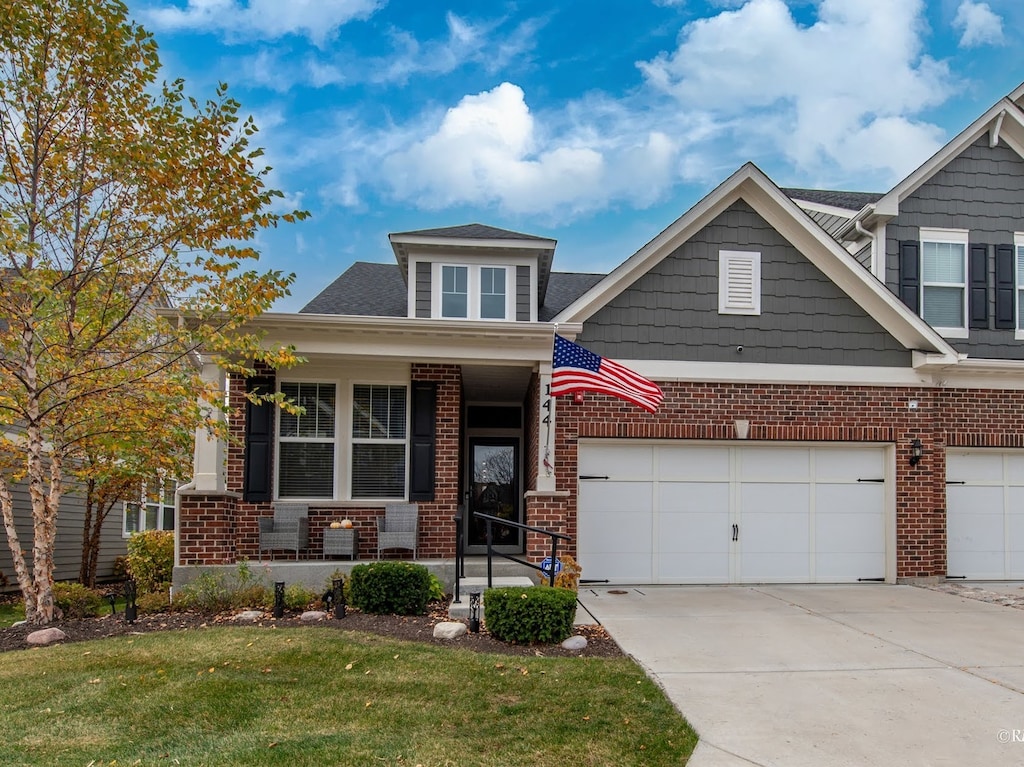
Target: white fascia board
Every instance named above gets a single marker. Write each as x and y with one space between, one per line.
680 230
463 243
953 148
818 207
412 339
770 373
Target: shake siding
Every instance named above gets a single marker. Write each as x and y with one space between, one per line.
671 313
422 289
981 190
522 294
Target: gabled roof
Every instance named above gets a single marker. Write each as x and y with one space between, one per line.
378 290
851 201
754 187
469 232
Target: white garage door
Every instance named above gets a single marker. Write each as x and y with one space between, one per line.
985 515
687 513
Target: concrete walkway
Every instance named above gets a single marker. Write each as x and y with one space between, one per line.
791 676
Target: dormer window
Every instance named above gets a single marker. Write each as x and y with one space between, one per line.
454 291
472 292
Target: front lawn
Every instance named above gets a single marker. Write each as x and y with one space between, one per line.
308 696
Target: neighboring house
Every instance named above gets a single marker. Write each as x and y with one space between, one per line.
843 378
67 551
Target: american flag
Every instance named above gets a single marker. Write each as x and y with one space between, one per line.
576 369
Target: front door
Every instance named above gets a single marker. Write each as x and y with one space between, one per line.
494 489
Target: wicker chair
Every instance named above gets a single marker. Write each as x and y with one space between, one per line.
398 528
287 530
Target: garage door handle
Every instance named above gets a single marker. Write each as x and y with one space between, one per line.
735 532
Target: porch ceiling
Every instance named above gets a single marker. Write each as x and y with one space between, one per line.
495 383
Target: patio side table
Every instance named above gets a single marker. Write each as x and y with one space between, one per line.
341 542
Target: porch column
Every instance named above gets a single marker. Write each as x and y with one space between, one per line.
209 461
546 432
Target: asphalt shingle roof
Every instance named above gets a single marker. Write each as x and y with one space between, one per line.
472 232
845 200
378 290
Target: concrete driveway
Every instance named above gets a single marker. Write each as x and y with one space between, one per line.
829 675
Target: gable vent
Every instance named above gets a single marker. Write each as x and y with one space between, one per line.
739 282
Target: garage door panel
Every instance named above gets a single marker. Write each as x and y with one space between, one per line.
974 467
775 463
632 463
693 567
757 498
691 463
693 532
855 499
849 465
850 533
710 497
618 567
849 567
765 567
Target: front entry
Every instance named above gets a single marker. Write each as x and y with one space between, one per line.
494 489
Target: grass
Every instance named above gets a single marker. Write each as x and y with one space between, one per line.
248 696
11 611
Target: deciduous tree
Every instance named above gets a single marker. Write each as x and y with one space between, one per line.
119 196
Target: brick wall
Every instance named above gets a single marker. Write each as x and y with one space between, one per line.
696 411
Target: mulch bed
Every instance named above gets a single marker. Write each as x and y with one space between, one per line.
415 628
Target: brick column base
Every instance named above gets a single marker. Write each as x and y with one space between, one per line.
206 529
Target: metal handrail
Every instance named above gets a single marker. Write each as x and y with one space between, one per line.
489 520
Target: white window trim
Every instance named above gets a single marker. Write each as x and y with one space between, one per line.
278 439
469 290
956 237
1018 279
372 441
161 507
473 286
751 261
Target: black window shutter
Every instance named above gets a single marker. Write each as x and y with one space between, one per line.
977 269
1006 287
422 440
910 274
259 425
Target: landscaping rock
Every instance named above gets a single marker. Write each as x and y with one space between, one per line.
311 616
575 643
449 630
46 636
249 615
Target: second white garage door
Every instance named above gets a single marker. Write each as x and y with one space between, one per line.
688 513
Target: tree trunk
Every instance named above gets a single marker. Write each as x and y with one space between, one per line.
17 555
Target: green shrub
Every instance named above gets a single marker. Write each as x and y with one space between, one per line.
151 560
436 589
208 593
531 614
153 602
298 597
399 588
76 600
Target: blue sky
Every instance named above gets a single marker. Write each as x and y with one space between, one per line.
595 123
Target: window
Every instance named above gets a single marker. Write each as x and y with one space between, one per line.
944 278
154 510
492 293
454 291
379 418
739 282
306 442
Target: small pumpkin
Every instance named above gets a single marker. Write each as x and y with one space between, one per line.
336 525
347 524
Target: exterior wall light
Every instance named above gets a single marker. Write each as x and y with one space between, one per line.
916 452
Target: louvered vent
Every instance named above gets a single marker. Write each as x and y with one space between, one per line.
739 282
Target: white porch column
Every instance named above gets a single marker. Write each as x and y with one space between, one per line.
209 461
546 433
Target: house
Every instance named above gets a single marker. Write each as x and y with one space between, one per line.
843 378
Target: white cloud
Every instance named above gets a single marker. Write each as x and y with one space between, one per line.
318 20
815 92
489 149
979 25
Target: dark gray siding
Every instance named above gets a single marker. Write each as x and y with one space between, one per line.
68 549
864 256
671 312
827 221
422 289
981 190
523 293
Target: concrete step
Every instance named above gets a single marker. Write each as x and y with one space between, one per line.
460 610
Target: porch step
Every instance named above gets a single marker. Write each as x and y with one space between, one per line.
460 610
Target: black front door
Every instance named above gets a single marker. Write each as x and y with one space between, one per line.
494 489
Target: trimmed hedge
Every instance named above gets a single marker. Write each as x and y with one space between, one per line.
390 588
531 614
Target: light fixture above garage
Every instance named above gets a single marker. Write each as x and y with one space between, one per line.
916 451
